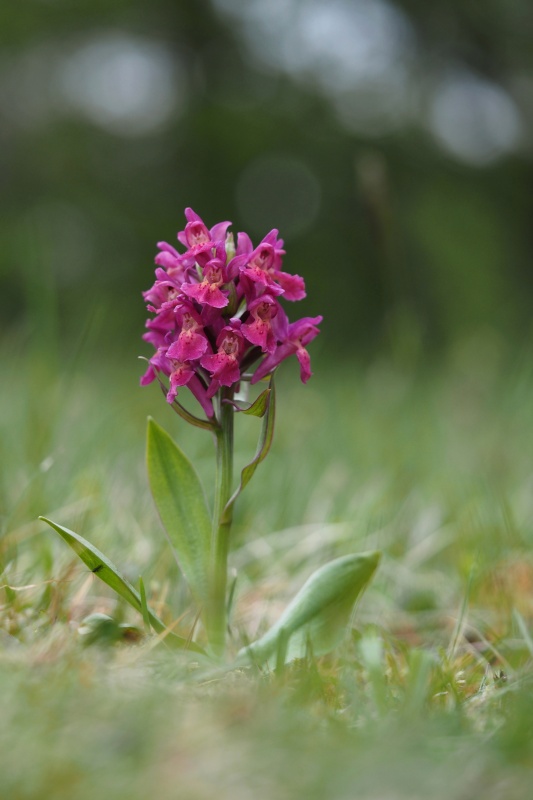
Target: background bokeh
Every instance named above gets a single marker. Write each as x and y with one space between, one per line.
390 142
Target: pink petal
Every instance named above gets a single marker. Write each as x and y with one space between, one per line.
223 367
206 294
188 347
293 286
305 364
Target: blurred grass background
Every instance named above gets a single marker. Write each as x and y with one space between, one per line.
391 145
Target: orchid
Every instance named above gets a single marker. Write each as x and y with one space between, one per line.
219 328
214 287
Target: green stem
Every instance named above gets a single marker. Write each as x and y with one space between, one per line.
221 524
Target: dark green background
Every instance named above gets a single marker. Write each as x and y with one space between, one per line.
403 243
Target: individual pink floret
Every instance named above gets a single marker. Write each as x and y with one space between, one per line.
192 342
259 331
208 292
224 364
300 333
162 292
263 267
175 264
197 238
180 375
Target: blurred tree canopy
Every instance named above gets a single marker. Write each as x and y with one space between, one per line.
390 143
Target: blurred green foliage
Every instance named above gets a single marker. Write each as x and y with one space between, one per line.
117 115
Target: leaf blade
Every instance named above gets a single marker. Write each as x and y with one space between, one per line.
320 610
104 569
181 504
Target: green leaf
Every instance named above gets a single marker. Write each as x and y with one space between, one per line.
257 408
263 446
181 504
109 574
319 613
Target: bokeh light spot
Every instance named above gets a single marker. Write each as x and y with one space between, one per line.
473 119
128 85
356 52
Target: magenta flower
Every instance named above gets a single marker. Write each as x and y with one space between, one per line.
300 333
293 286
191 343
259 331
197 238
163 292
208 291
263 267
181 374
224 364
218 312
156 333
170 259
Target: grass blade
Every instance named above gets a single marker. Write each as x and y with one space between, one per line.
144 606
101 566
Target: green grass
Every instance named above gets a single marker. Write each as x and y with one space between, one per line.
430 695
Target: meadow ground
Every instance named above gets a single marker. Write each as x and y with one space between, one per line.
430 696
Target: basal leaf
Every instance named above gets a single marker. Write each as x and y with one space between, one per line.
109 574
320 611
181 504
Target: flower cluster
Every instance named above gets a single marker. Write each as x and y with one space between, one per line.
217 312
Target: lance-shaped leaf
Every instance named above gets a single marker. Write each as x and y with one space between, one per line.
109 574
263 445
317 617
181 503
